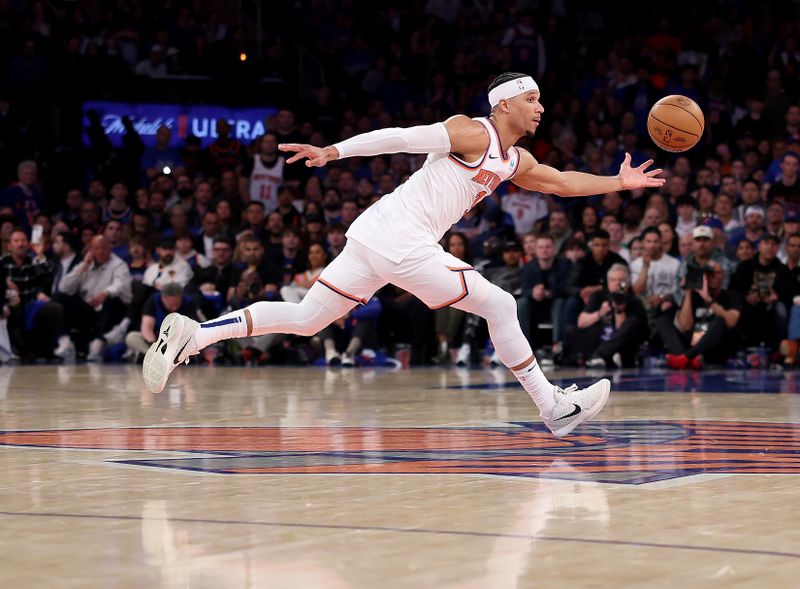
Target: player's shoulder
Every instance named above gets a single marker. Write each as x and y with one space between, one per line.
464 124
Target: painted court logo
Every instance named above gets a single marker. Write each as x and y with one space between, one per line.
630 452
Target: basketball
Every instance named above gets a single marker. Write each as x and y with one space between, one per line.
675 123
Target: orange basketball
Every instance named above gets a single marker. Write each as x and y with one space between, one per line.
675 123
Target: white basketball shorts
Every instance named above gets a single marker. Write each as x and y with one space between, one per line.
429 273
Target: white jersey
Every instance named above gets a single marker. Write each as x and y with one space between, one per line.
264 183
525 208
421 210
662 276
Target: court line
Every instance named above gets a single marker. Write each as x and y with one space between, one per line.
600 541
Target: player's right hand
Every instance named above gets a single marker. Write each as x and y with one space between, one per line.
315 156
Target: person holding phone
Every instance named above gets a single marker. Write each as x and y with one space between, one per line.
705 325
765 284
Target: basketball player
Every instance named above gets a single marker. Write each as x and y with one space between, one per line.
396 240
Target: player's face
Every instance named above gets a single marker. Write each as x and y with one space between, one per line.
528 111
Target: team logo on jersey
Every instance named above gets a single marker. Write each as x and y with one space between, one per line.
489 180
628 452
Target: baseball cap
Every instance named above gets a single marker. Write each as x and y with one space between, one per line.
792 218
752 209
702 232
714 223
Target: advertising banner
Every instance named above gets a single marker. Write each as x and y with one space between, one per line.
183 119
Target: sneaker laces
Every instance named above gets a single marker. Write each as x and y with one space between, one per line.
570 389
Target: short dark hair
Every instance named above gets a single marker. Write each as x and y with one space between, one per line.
71 240
221 238
770 237
600 234
648 230
505 77
257 203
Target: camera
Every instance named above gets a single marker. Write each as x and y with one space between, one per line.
694 276
620 297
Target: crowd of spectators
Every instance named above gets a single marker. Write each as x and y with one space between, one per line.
689 274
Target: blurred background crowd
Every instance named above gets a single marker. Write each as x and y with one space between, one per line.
102 239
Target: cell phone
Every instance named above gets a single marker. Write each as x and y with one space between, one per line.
36 234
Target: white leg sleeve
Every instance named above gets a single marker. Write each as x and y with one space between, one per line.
499 308
307 317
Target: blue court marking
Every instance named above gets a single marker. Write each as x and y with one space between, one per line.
668 381
474 534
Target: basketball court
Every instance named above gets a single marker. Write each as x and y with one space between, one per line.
283 477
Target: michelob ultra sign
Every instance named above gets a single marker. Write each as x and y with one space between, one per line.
184 120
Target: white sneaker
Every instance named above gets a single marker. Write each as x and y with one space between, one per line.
333 359
595 362
347 361
575 406
462 360
65 348
97 348
172 348
116 334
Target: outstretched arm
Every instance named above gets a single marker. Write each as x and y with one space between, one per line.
458 134
542 178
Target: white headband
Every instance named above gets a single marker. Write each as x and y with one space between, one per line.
511 89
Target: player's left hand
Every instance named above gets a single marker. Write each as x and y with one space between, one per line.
316 156
633 178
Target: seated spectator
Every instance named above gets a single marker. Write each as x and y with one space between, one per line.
34 321
290 257
266 274
611 327
209 230
114 234
95 294
184 247
589 275
118 208
544 290
508 276
139 258
687 215
752 229
254 218
336 239
213 282
168 268
171 299
765 284
684 246
787 188
705 325
24 196
302 282
345 337
558 227
702 253
66 247
655 276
